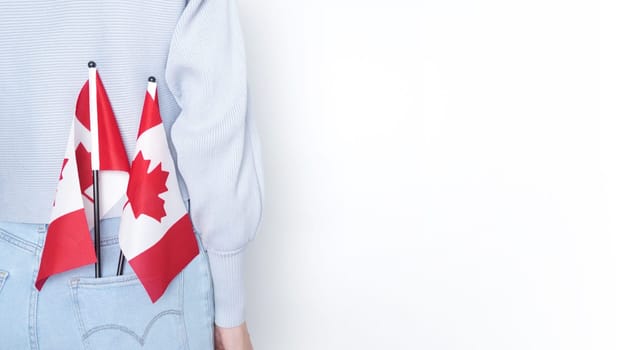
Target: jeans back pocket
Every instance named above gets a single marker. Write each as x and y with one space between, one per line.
116 313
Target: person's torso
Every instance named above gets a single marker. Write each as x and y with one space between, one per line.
44 50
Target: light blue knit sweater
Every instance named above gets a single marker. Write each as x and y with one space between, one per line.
195 49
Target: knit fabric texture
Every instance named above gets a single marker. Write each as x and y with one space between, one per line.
195 49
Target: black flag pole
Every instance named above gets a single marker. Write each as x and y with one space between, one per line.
98 267
95 161
120 263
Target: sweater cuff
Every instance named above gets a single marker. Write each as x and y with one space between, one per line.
228 281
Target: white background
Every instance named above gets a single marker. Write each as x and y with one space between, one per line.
439 174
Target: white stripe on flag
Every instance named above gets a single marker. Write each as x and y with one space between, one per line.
151 89
70 199
152 147
93 118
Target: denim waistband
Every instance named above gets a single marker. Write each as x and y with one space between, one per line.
34 233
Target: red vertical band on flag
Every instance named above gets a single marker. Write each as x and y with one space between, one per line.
157 266
151 114
66 246
112 155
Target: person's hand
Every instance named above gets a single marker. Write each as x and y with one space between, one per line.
236 338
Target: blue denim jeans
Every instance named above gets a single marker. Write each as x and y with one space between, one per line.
75 311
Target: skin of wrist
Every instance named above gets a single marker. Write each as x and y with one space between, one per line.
233 338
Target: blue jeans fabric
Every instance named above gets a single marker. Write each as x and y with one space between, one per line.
75 311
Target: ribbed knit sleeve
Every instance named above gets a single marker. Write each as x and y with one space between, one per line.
216 142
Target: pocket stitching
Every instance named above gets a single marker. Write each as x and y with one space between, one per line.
140 339
17 242
3 277
103 282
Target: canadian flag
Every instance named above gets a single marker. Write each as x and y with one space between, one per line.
68 242
155 233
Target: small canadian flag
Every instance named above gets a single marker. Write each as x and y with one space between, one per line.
68 242
155 233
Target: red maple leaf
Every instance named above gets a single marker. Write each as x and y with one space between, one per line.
144 188
60 178
63 168
85 173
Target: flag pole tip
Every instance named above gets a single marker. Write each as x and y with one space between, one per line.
152 79
92 64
